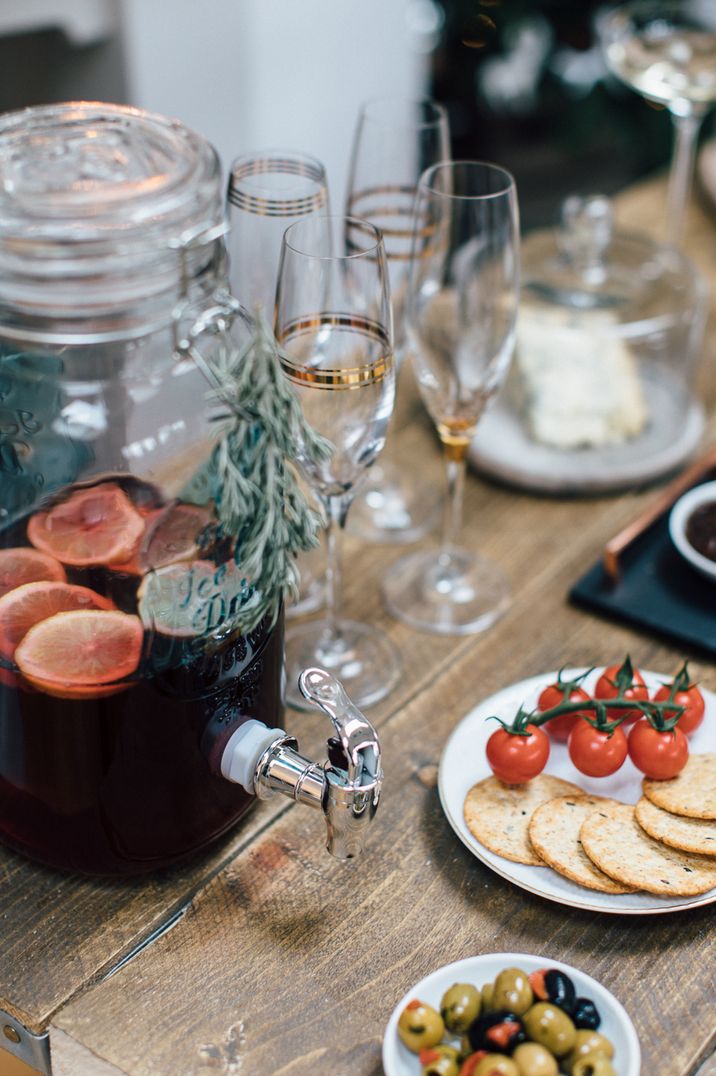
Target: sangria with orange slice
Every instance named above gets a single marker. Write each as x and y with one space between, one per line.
120 676
123 672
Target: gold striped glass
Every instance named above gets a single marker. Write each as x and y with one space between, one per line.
334 325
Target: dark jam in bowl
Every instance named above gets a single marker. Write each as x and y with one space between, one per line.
701 530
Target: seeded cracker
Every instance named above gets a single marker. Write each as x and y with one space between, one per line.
678 831
498 815
554 833
692 793
615 841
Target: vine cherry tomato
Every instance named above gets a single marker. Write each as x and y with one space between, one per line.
625 681
560 727
516 759
659 755
596 753
691 699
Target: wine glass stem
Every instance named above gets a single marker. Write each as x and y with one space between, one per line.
336 510
455 462
686 129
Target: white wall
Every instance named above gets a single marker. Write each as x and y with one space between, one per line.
254 74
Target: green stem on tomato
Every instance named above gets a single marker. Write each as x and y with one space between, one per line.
654 712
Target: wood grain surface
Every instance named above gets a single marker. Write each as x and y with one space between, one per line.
289 963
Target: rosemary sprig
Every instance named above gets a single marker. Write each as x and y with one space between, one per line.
258 500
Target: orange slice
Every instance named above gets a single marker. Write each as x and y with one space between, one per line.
27 605
81 653
23 565
170 537
132 566
98 525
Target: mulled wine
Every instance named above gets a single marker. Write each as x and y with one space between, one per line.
121 678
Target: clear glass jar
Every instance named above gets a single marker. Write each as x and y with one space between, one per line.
110 254
601 392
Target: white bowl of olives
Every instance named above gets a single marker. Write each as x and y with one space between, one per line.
510 1014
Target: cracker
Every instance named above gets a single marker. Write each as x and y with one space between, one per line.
615 841
692 793
498 814
554 833
677 830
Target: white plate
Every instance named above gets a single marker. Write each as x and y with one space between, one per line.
616 1025
463 763
503 449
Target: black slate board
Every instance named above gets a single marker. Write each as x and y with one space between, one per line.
657 590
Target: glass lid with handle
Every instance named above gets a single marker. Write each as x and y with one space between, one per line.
601 393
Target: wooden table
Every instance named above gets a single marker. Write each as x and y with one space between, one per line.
280 960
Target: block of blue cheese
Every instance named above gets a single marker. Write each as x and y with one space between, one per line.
579 382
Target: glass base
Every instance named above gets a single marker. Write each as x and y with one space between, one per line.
363 658
393 507
453 593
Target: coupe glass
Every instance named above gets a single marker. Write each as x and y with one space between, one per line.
461 313
666 51
395 141
268 192
333 322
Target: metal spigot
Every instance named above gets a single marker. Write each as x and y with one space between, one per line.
346 787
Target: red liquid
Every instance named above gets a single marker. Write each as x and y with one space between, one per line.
128 782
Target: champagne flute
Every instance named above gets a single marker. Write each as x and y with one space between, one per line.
334 326
666 51
395 141
267 192
461 314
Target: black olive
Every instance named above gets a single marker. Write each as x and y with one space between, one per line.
560 990
496 1032
585 1014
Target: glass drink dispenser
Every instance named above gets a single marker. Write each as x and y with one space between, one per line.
124 686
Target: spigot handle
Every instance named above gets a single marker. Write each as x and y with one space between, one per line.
358 738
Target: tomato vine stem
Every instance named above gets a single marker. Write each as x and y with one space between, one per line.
654 712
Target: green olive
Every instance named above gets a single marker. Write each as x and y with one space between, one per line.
585 1043
446 1062
594 1064
420 1025
486 994
460 1005
496 1065
512 991
550 1027
534 1060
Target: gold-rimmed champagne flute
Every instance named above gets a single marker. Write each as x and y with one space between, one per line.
461 315
334 326
268 191
395 140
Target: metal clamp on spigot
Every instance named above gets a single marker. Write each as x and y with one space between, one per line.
346 787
